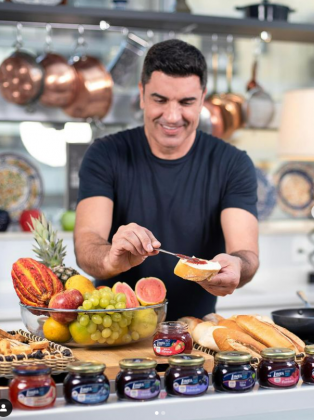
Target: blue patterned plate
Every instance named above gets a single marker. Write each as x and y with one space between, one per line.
295 188
21 186
266 194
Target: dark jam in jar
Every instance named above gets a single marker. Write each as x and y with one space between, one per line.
278 369
172 338
307 365
138 380
86 384
32 387
186 377
233 372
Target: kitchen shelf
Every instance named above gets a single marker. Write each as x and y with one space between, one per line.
157 21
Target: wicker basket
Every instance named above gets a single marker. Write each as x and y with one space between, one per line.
57 357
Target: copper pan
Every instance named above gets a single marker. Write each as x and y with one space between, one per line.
94 96
21 78
60 81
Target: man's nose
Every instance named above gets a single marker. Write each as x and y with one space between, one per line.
172 113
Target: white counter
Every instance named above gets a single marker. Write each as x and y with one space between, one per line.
290 404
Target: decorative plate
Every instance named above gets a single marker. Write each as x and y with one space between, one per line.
266 195
21 185
295 188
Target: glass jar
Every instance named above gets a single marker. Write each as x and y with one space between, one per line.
172 338
233 372
278 368
86 384
186 377
307 365
32 387
138 380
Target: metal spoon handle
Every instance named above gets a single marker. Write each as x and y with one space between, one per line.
166 252
302 296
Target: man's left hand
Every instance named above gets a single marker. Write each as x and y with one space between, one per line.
227 280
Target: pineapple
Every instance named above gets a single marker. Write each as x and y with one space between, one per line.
50 249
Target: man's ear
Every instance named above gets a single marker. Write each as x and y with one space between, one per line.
203 96
141 89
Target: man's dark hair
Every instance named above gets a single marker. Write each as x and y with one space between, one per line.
175 58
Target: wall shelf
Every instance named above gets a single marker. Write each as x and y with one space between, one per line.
157 21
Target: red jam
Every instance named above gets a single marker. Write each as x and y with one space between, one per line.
172 338
307 365
32 387
278 368
192 260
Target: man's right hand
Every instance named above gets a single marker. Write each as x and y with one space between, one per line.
131 245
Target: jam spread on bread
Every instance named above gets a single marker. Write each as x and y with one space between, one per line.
192 260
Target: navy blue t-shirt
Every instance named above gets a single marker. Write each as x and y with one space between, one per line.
179 200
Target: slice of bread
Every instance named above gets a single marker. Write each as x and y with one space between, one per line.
196 272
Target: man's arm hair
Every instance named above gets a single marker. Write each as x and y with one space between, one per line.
249 265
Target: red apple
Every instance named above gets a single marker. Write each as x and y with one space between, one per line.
25 218
68 299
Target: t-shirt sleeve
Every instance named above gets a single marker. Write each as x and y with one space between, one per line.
241 186
96 175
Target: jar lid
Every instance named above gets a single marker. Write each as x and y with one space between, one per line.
173 325
186 360
309 349
86 367
145 363
278 353
233 357
32 370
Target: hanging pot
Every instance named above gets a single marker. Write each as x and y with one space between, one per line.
60 81
94 96
266 11
21 78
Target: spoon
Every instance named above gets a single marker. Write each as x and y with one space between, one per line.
304 299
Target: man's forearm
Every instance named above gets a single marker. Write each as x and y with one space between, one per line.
249 265
91 252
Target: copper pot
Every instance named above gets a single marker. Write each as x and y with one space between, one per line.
21 78
60 82
94 96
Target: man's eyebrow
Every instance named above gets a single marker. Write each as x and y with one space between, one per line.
156 95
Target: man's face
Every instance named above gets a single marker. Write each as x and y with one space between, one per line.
172 106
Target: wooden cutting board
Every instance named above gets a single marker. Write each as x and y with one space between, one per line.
112 355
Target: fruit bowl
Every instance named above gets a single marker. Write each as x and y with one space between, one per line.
94 327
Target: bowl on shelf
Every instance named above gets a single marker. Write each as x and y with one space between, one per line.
95 327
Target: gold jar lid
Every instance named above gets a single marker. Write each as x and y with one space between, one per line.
278 353
186 360
145 363
309 349
86 367
234 357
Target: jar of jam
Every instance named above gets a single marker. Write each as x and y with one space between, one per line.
172 338
32 387
186 377
278 368
86 384
307 365
138 380
233 372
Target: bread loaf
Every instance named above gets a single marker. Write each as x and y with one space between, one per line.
191 321
196 272
203 335
215 318
229 323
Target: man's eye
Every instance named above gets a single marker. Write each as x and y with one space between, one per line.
160 101
187 103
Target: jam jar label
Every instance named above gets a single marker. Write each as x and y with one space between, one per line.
284 377
37 397
169 347
191 385
142 390
239 380
90 393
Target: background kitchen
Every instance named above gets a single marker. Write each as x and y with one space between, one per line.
276 133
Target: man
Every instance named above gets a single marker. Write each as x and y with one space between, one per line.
167 184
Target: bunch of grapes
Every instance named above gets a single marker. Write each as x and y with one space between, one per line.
108 327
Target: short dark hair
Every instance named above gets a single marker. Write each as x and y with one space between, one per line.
175 58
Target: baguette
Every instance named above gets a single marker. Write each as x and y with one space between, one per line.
191 321
265 333
299 344
39 345
229 340
196 272
215 318
229 323
203 335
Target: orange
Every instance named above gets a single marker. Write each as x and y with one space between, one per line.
80 334
54 331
